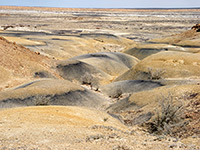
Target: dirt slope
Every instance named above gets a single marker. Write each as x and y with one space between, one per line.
18 64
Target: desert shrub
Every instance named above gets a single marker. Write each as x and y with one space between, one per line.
154 74
42 100
121 147
87 79
168 118
90 80
117 93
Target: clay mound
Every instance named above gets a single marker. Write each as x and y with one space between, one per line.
18 64
116 89
50 92
85 43
83 73
151 98
190 38
141 51
65 44
23 41
143 107
165 65
112 63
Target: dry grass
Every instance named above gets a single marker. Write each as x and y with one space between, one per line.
155 74
169 116
177 116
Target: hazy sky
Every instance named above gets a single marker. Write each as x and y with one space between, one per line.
105 3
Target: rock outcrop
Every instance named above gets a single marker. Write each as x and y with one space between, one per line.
196 27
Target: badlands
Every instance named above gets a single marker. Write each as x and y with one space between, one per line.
106 79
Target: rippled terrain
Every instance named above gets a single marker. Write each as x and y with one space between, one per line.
99 78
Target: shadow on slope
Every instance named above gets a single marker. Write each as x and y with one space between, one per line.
83 73
50 92
113 63
116 89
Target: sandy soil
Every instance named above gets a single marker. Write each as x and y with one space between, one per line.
73 128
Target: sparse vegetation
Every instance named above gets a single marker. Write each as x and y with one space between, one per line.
42 100
169 117
155 74
121 147
88 79
105 119
117 94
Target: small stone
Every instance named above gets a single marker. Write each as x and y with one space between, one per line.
173 146
175 140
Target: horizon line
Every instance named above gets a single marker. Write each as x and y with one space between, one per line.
103 8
